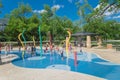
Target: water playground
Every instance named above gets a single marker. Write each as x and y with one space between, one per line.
63 58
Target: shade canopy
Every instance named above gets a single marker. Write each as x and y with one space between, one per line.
84 34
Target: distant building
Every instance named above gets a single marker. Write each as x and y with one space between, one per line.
3 23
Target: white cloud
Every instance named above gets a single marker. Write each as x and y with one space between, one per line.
34 11
113 14
71 1
39 11
42 11
57 7
113 17
97 7
116 17
107 13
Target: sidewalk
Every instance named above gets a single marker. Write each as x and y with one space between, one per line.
109 54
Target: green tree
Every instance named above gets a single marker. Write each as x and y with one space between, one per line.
32 27
95 20
18 21
48 21
55 24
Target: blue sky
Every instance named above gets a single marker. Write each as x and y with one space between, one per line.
65 7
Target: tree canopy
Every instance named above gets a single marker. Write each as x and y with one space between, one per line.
95 21
22 18
91 20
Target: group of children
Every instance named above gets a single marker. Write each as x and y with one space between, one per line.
57 49
30 49
54 49
7 48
